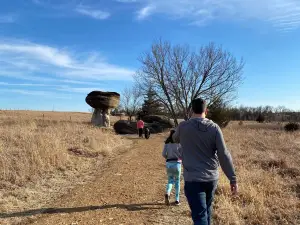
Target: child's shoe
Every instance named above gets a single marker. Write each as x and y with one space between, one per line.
167 199
177 203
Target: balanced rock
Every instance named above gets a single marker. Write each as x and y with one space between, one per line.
102 102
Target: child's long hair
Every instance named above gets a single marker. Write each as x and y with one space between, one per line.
170 139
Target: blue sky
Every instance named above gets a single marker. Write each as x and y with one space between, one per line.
53 52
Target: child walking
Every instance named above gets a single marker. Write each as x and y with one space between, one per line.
172 153
140 126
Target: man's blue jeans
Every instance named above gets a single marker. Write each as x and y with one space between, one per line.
200 197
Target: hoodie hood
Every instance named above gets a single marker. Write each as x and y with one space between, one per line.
202 124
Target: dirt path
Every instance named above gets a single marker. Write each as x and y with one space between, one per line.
129 190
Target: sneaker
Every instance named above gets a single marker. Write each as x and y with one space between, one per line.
177 203
167 199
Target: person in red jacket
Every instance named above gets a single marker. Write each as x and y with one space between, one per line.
140 126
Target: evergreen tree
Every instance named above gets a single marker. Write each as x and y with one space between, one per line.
151 105
219 113
260 118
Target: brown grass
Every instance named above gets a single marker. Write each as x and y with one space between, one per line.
268 167
12 117
42 156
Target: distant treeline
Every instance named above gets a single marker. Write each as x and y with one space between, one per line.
244 113
270 114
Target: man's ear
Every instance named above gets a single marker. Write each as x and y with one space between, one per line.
206 111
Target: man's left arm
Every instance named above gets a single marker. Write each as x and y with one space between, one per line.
224 157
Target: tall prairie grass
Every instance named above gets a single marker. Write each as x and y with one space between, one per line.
42 156
267 161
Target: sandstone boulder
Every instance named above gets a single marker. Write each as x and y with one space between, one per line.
125 127
162 121
103 100
155 128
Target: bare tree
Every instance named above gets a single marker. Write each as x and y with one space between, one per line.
281 110
179 75
268 112
131 100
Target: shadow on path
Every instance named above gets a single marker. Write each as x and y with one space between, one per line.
131 207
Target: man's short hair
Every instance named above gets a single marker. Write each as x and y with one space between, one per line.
198 105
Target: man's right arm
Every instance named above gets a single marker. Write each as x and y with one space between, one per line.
224 157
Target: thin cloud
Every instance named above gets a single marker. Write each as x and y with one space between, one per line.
32 52
45 94
80 90
39 59
27 92
282 14
75 82
126 1
9 18
51 88
27 84
145 12
93 13
38 2
67 8
59 5
28 76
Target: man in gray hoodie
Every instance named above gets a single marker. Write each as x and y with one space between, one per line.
203 149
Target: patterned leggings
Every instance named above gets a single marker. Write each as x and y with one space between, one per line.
173 173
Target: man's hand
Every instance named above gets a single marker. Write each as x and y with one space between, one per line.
234 189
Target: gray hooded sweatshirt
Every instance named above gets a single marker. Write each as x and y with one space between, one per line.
172 151
203 149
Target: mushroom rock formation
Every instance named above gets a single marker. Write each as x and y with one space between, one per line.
103 103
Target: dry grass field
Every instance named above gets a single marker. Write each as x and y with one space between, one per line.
44 154
42 157
267 161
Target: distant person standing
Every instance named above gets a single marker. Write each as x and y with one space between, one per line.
172 153
203 148
140 126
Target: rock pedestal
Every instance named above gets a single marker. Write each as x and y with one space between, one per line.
97 118
102 102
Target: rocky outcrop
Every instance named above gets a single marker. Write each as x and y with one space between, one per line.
162 121
102 102
156 124
97 117
125 127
